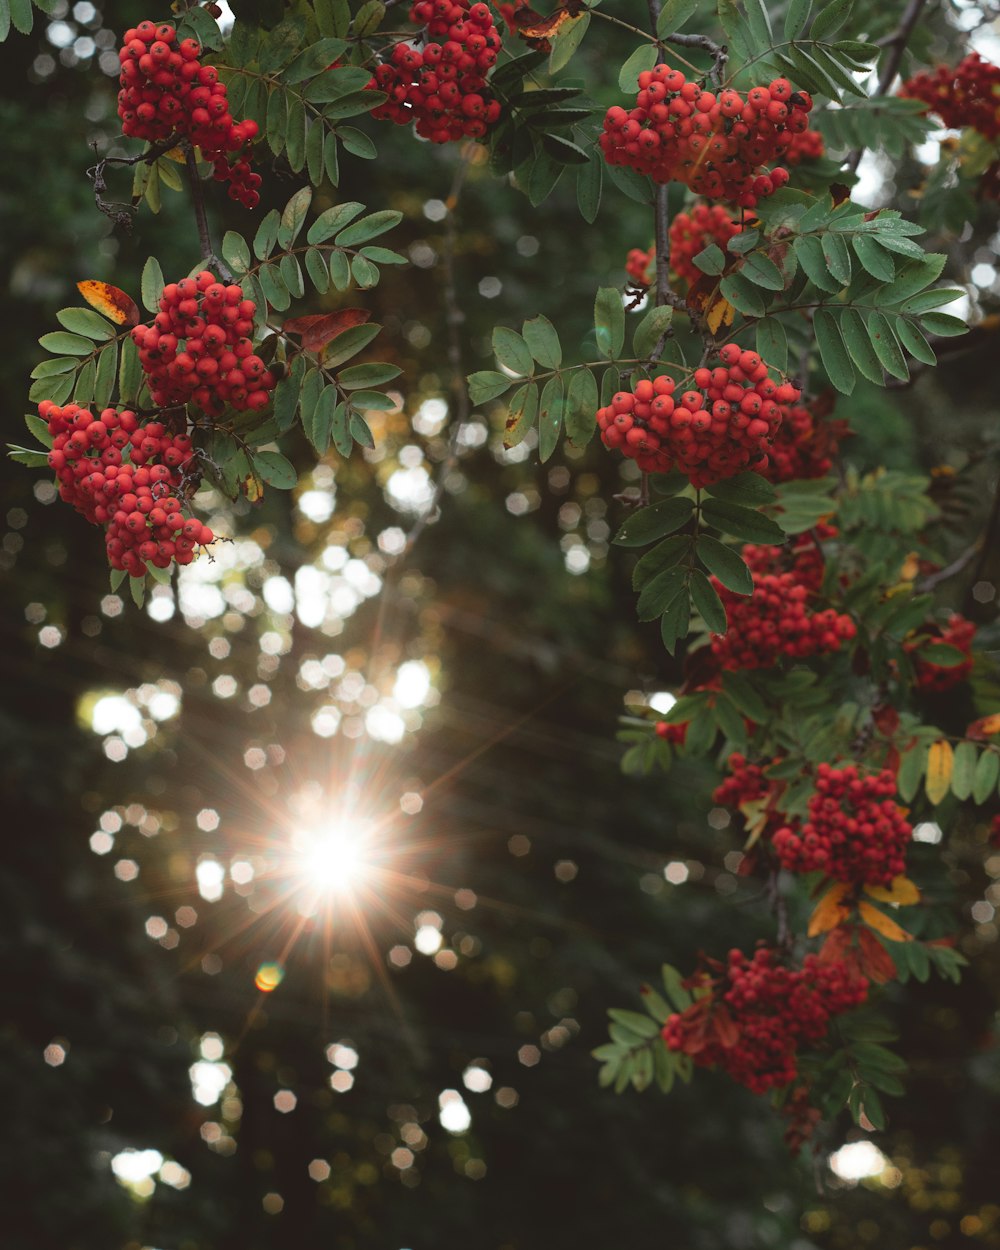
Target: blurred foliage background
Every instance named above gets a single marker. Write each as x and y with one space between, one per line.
418 1074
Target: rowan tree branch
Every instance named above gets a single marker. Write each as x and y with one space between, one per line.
201 217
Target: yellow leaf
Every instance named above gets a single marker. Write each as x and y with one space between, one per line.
755 815
990 724
830 910
901 891
940 762
719 313
176 154
253 488
110 300
881 923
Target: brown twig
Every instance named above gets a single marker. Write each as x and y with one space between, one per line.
890 67
718 51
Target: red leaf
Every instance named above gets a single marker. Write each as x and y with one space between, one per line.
111 301
321 328
724 1028
876 962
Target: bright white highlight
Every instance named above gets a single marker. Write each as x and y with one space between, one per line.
858 1160
329 859
133 1166
662 701
208 1081
453 1114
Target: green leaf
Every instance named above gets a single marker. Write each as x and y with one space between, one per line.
912 338
581 408
675 620
86 321
772 343
942 324
129 373
512 351
331 158
809 253
39 428
707 602
28 456
589 181
725 564
963 771
886 345
348 344
365 274
743 295
318 421
913 278
62 343
267 235
985 778
859 344
293 215
291 275
543 341
911 769
340 270
316 268
659 593
566 40
658 559
749 489
375 401
286 395
711 260
761 271
486 385
275 469
796 18
55 365
873 258
333 219
830 18
642 59
833 350
743 523
275 291
609 322
837 256
656 521
674 15
521 414
353 104
759 22
107 371
314 59
375 373
357 143
550 417
369 227
295 134
137 586
236 251
650 330
368 18
152 284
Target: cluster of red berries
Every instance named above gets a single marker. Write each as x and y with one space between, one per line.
441 87
708 434
958 633
126 476
746 783
717 144
674 733
165 91
855 831
807 145
804 447
691 233
198 348
637 264
775 622
968 95
800 556
758 1014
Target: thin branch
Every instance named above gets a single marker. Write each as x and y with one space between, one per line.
890 66
663 289
949 570
718 51
201 217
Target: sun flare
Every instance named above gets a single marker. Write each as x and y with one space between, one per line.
330 859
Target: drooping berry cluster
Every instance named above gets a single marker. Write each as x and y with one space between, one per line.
776 621
968 95
128 477
198 348
166 92
711 433
759 1012
800 556
441 87
746 783
804 447
807 145
718 145
691 233
958 633
855 831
